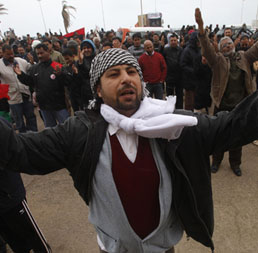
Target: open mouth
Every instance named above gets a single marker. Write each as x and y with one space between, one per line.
127 92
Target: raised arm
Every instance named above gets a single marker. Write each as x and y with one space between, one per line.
199 21
252 53
208 50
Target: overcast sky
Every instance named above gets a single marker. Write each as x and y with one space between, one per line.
25 16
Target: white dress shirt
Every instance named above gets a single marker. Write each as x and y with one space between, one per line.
128 142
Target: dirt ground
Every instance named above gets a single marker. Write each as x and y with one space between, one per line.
62 215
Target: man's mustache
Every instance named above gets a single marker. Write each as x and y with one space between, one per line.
125 87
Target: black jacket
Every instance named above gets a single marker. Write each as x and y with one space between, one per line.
77 143
202 98
84 72
188 59
49 87
73 82
12 190
172 57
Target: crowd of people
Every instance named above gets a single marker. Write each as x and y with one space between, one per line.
55 75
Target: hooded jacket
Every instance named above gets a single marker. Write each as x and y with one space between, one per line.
84 72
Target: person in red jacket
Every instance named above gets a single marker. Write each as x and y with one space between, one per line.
154 70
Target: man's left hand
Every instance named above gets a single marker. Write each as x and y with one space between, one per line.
30 58
16 69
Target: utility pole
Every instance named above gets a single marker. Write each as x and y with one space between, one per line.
257 14
242 11
141 13
103 15
42 15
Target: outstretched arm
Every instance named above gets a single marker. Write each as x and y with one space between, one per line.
23 78
42 152
229 130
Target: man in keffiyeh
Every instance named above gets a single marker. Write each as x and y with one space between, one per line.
141 166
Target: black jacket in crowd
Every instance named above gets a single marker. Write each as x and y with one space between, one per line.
49 87
84 71
189 57
172 57
74 84
202 97
12 190
77 143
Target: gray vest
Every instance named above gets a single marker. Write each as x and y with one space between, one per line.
109 218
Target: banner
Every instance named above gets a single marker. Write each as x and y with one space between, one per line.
77 32
4 91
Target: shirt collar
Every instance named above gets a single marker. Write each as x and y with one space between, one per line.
151 54
112 129
7 63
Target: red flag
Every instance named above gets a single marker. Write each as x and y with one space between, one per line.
77 32
4 91
54 64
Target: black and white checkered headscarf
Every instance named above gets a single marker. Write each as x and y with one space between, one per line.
107 59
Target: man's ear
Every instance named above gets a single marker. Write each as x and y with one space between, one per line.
99 90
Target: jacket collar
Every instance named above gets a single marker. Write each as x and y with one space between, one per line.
7 63
46 63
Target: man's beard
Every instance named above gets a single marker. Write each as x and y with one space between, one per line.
231 52
136 103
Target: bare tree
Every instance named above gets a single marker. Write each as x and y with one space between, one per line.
67 15
2 9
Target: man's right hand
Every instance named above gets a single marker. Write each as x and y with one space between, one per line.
17 69
199 20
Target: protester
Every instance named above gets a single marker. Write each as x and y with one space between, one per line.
231 83
73 80
156 42
202 99
17 225
145 137
106 46
97 44
116 42
244 43
54 55
86 55
189 57
57 45
46 79
137 49
154 70
128 41
20 96
172 55
73 46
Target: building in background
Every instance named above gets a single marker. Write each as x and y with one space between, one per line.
150 20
